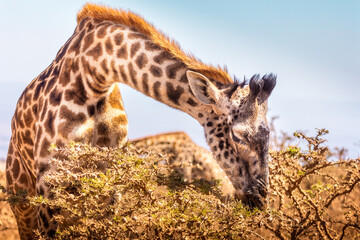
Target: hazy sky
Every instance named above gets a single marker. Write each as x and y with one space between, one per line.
313 47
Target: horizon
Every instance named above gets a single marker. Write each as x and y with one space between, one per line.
313 48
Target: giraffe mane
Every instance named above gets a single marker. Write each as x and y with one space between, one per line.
133 20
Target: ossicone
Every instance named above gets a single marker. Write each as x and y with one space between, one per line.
261 89
269 82
255 87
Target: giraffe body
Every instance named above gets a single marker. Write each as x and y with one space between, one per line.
77 99
189 159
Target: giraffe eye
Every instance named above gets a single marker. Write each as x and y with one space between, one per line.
236 137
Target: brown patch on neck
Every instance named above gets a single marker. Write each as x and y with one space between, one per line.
136 22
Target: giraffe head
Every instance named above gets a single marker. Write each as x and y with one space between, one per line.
237 132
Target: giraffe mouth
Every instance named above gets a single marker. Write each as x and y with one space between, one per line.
256 201
257 196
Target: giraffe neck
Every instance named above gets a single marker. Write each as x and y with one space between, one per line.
107 52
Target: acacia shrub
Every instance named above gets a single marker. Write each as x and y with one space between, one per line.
102 193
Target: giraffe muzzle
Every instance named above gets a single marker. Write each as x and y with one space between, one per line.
257 198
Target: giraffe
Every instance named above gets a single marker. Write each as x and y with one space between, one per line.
189 159
77 98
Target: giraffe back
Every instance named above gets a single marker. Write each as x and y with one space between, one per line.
189 159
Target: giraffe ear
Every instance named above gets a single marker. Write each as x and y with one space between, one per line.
204 90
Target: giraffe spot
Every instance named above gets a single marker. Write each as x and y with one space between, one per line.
65 73
118 38
134 48
45 74
132 74
38 90
23 178
95 52
191 102
150 46
77 92
9 159
115 99
184 79
56 71
200 115
122 52
103 141
155 71
103 128
44 148
88 40
11 149
91 110
72 120
174 94
104 66
221 145
162 57
54 98
226 155
15 168
109 47
119 120
156 89
102 31
20 123
123 74
115 72
113 28
75 65
76 43
100 105
137 35
49 123
9 178
145 83
28 118
141 60
37 139
82 23
98 21
219 135
89 27
44 110
50 85
172 69
25 99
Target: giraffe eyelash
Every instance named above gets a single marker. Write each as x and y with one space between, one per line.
236 139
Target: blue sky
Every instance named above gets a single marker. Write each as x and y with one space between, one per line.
313 47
